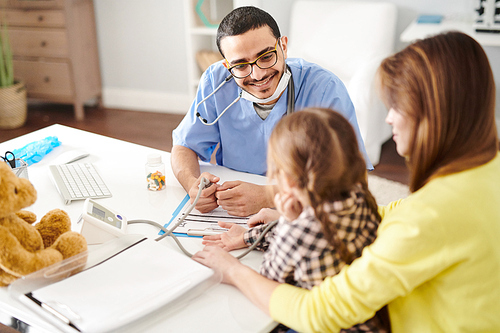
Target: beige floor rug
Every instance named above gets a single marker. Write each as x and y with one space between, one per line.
385 190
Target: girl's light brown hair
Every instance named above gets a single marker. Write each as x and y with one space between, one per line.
318 150
445 85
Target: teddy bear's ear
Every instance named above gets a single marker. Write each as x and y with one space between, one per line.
3 167
15 193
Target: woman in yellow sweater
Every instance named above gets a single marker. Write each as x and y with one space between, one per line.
436 260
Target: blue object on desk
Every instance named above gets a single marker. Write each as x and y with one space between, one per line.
174 215
436 19
35 151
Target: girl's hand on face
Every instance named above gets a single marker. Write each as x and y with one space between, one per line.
264 216
288 205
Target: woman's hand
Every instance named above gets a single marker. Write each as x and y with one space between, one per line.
264 216
219 260
253 285
229 240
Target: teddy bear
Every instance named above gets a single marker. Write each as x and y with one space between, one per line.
26 247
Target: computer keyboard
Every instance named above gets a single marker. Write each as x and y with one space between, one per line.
78 181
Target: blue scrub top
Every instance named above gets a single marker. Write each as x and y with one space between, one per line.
242 134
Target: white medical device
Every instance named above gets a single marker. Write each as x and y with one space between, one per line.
100 224
487 18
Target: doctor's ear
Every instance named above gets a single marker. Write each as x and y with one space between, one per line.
283 43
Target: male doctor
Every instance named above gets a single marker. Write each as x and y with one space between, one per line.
255 65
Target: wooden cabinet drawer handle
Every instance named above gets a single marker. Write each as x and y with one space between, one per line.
46 79
40 18
43 43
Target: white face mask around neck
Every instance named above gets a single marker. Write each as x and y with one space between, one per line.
279 89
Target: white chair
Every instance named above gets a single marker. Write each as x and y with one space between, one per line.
349 38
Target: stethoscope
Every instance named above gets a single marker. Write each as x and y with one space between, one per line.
289 109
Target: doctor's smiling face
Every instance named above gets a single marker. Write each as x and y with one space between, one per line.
247 48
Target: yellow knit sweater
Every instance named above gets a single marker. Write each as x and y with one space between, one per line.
436 262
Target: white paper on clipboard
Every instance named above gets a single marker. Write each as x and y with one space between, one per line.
208 223
197 223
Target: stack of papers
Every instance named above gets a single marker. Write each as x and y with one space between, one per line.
129 285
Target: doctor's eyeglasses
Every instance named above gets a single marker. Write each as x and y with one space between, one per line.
264 61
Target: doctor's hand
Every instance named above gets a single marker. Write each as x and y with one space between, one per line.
207 201
288 205
229 240
264 216
242 198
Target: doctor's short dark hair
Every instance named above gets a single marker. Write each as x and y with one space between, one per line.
243 19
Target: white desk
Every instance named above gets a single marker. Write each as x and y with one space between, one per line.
121 164
423 30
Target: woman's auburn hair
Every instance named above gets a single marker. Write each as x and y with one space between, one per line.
445 85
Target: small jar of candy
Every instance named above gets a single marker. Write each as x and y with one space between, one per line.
155 172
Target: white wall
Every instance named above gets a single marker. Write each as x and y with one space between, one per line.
142 54
143 57
408 10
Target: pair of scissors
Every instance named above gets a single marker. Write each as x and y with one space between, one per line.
10 159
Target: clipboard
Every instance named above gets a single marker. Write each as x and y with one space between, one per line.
199 224
113 285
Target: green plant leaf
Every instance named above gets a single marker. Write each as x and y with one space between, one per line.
6 63
3 74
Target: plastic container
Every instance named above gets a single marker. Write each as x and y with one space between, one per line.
155 173
21 169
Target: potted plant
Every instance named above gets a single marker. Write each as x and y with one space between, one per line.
13 101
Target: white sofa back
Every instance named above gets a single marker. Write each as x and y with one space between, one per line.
349 38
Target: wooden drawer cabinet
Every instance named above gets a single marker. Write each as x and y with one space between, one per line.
46 79
39 43
37 18
55 49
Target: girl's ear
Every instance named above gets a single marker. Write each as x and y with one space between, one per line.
289 181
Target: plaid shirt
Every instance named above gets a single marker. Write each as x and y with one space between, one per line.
297 252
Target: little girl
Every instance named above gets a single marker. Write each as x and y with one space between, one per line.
328 215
